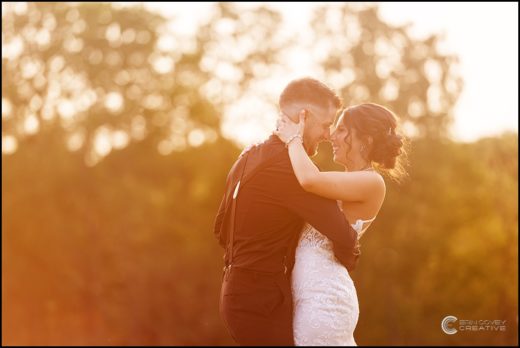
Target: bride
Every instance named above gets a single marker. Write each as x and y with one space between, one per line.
326 308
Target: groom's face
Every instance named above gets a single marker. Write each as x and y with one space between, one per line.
318 122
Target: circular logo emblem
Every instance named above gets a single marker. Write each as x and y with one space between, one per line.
445 325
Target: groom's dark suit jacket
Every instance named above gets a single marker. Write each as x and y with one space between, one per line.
271 208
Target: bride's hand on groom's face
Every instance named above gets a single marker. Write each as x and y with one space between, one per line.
286 128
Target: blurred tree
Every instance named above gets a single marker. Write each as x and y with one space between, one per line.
242 45
370 60
102 76
91 78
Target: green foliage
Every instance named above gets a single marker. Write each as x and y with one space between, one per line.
445 243
120 253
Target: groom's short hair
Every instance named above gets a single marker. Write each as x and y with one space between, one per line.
309 90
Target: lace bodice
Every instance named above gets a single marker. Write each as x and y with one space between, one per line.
313 238
310 237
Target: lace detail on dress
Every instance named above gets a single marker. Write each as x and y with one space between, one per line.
310 237
326 308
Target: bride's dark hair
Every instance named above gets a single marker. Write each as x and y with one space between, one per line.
387 149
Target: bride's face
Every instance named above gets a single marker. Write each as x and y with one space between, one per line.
343 152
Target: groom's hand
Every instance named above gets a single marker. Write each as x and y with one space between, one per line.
286 129
351 259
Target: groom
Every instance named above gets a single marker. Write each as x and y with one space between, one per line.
260 217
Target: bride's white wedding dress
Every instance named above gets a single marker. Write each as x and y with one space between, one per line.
326 307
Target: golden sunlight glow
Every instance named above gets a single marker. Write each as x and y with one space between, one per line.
75 141
9 144
114 102
7 108
121 123
196 137
483 109
119 139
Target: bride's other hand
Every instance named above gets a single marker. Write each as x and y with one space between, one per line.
286 129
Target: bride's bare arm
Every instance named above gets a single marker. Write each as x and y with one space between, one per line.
345 186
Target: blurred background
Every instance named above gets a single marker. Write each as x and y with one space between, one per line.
120 123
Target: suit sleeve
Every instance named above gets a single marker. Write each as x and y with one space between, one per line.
322 213
218 230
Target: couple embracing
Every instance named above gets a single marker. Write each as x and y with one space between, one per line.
291 232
